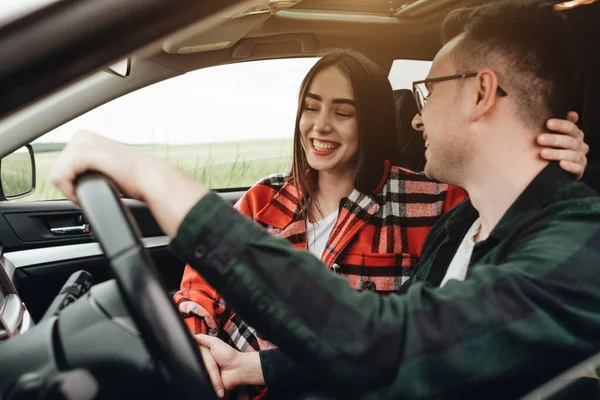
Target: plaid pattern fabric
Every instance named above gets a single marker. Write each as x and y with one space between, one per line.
374 244
528 309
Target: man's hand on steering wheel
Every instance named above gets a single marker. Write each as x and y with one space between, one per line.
137 175
160 327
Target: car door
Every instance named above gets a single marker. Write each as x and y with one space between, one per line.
43 243
218 140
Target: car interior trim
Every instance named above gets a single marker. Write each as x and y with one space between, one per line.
25 258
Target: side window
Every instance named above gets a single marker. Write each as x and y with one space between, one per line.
404 72
227 126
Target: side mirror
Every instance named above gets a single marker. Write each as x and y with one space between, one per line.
17 174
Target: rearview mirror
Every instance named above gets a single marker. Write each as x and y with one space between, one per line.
17 174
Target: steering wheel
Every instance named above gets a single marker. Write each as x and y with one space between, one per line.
163 332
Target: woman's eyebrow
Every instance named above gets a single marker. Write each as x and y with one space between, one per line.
335 101
314 96
344 101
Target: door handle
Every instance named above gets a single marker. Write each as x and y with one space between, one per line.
65 230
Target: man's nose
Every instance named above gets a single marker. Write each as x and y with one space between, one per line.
417 123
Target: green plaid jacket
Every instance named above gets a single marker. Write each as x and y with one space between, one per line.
528 309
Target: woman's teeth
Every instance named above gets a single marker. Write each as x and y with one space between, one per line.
324 146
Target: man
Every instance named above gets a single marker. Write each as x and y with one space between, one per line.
517 264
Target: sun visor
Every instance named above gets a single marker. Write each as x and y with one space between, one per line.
222 36
229 31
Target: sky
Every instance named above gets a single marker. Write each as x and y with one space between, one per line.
251 100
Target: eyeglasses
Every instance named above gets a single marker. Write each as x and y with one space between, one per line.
421 89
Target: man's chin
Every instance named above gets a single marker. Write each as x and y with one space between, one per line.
429 171
432 173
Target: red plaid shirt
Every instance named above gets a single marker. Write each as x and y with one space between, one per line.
375 242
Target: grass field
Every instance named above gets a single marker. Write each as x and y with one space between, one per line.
217 165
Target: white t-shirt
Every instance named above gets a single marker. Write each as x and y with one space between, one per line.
318 233
460 263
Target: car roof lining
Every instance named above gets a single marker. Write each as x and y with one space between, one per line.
289 36
302 31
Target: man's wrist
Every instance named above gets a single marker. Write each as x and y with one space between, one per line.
170 195
250 369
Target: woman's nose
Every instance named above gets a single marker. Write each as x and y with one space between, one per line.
323 123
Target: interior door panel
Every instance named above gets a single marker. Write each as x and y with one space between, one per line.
43 243
30 225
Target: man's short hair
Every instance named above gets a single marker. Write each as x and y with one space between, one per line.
527 45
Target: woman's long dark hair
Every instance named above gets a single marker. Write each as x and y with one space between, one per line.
376 115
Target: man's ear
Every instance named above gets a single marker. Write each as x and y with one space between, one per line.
487 86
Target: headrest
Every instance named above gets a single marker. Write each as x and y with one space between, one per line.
411 150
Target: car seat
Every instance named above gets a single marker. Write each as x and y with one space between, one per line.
411 146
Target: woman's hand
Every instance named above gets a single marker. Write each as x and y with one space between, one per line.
227 367
566 146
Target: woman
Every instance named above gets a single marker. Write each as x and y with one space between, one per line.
343 201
